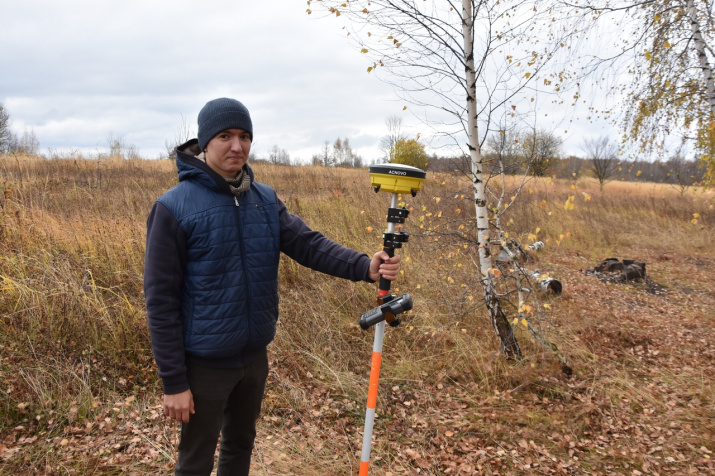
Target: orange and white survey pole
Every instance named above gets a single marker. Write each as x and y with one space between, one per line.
396 179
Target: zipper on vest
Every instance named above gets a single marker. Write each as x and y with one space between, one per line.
239 227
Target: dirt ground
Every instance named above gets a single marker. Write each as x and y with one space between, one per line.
640 401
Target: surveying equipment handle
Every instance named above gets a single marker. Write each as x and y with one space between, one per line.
388 311
384 283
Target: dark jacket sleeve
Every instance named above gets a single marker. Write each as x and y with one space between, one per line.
164 265
312 249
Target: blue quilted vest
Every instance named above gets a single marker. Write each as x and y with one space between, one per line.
229 303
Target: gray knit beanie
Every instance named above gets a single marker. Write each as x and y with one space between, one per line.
221 114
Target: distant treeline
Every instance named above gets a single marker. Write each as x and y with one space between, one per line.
675 171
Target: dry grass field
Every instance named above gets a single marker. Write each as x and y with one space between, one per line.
79 392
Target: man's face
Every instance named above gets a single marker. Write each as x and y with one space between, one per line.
228 151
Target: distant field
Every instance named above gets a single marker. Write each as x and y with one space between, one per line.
78 387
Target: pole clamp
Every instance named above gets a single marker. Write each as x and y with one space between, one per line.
397 215
394 240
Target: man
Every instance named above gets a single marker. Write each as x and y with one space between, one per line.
211 288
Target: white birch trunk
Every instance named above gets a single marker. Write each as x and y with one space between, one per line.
501 325
700 47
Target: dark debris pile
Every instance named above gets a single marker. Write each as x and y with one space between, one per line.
631 271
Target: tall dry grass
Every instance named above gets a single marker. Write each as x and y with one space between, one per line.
73 326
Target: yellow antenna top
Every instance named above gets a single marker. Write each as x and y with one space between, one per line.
396 178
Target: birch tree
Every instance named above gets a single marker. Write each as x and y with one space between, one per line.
666 48
505 147
461 65
543 150
6 133
394 133
603 155
410 152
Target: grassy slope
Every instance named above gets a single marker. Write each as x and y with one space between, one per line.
77 377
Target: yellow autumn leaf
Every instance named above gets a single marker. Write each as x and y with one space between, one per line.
437 199
525 323
364 50
543 204
368 229
569 203
547 306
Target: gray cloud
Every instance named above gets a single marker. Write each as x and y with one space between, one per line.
79 70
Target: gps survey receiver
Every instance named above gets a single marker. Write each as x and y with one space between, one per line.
395 179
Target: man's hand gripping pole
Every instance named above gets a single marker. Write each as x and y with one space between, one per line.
389 306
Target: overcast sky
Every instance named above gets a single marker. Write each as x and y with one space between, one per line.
79 71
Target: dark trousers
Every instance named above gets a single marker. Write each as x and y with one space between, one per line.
227 402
